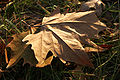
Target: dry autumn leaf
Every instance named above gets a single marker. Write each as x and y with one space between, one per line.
63 35
96 4
21 50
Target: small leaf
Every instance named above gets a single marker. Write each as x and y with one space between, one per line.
96 4
20 50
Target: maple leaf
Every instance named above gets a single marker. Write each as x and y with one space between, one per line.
19 50
64 35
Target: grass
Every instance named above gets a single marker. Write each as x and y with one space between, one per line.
107 64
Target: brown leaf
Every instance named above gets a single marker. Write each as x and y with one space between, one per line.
96 4
17 47
46 62
63 34
20 50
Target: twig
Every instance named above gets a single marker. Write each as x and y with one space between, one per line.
27 25
111 41
6 56
43 8
85 74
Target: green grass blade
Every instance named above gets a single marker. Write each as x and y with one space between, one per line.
13 25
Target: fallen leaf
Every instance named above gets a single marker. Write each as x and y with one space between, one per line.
96 4
21 50
63 34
